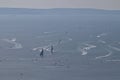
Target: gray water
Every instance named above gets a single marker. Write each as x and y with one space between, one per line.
86 47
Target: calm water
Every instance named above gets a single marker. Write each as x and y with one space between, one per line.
86 47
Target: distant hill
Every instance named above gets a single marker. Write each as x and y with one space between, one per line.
56 11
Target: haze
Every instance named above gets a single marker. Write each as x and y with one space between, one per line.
43 4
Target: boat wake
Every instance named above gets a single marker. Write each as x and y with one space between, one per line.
114 48
117 60
101 35
13 41
85 49
107 55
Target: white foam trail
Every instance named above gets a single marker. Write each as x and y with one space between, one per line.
13 41
9 41
47 48
37 48
83 52
90 46
17 46
113 60
85 49
47 32
115 48
100 35
100 57
101 41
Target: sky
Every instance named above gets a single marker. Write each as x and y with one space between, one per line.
45 4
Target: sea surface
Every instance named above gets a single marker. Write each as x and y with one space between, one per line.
86 47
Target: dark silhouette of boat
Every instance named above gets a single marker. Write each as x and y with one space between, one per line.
51 49
42 52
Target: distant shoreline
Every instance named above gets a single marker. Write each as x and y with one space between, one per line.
57 11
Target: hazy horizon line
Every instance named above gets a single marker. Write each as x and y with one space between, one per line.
59 8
